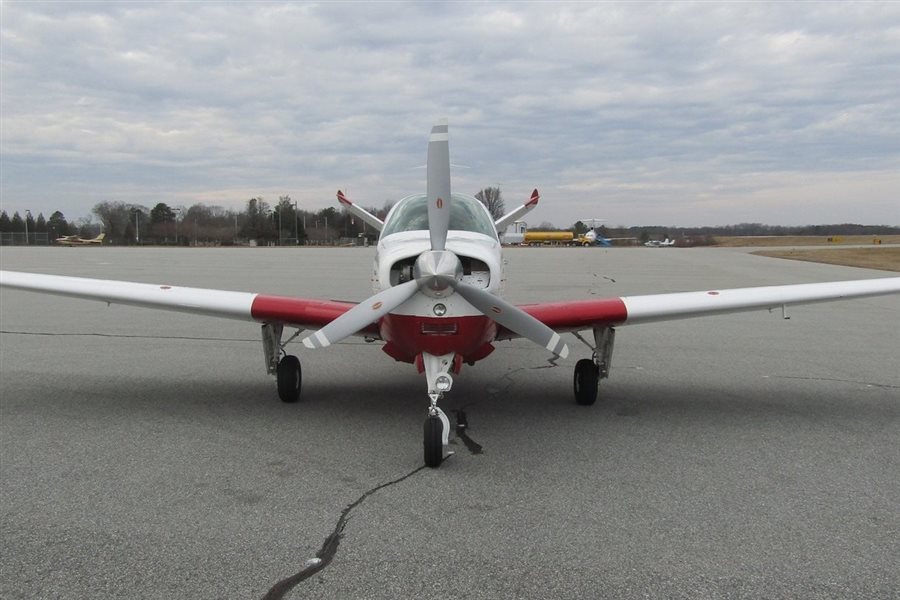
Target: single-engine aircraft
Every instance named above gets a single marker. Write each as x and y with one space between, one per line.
74 240
436 277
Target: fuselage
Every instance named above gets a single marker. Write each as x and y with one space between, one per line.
446 323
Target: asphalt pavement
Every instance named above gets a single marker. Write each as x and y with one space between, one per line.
145 454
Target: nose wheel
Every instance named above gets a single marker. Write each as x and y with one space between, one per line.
434 442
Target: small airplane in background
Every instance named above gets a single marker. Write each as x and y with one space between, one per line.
436 279
74 240
660 244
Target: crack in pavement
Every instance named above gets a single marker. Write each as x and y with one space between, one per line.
330 546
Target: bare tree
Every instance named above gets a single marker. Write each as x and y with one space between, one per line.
493 200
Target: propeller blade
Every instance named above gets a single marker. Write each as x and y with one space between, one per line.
513 318
361 315
438 185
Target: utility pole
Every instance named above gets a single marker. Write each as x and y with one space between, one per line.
177 212
27 216
279 225
296 225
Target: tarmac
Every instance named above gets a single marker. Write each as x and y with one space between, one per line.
144 454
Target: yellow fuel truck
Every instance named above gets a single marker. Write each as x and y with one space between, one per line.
523 237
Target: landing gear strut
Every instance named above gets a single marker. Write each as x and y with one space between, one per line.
589 371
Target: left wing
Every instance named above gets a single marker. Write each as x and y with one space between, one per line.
300 312
628 310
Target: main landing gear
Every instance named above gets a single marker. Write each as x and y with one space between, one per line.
290 377
589 371
285 367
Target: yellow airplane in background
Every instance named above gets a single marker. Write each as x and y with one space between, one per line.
74 240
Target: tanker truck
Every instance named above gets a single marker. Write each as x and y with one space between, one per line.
523 237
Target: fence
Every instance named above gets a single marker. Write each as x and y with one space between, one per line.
35 238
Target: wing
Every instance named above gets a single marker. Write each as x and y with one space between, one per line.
299 312
628 310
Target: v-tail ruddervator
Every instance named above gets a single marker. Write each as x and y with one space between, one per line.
437 275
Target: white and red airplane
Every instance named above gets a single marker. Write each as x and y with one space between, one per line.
436 276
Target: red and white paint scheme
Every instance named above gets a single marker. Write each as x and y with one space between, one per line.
436 278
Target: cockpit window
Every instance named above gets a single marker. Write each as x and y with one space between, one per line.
466 214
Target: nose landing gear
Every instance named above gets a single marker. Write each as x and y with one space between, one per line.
437 425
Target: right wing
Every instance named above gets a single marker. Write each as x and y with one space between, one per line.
629 310
299 312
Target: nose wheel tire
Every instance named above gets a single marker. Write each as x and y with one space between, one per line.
290 378
434 442
587 378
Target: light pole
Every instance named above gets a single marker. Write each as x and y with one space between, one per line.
280 208
137 228
177 212
27 216
296 225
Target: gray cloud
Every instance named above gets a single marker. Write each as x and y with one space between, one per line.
639 113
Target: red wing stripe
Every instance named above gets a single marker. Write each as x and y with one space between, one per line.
581 314
300 311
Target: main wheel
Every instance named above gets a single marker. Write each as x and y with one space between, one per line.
587 377
290 377
434 442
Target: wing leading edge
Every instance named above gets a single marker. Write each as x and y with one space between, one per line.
300 312
630 310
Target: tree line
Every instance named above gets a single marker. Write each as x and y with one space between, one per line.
285 223
281 223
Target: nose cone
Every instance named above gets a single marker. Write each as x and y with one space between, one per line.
435 271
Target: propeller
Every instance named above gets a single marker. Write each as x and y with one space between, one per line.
438 185
438 273
513 318
361 315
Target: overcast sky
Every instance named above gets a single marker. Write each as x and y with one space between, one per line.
639 113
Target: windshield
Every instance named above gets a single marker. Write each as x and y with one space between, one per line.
466 214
